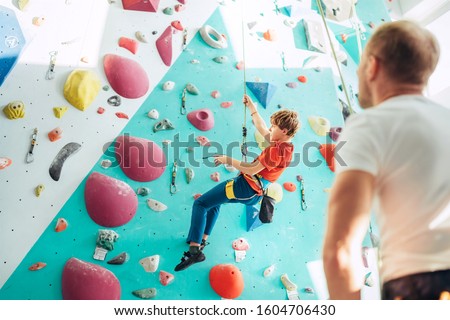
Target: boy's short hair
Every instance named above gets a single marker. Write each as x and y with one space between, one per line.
286 119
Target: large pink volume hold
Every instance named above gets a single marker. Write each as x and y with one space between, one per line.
202 119
126 76
164 46
109 202
140 159
141 5
87 281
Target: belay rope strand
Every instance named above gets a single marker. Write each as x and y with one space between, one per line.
244 127
344 87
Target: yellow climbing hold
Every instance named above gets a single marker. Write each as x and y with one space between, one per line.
14 110
319 125
22 4
262 143
39 189
275 191
81 88
59 111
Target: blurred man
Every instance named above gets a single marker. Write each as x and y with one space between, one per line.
396 161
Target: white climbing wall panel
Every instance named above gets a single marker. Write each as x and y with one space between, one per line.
76 29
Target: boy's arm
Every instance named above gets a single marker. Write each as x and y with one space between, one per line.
258 121
249 168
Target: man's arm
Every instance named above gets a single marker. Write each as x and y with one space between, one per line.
348 219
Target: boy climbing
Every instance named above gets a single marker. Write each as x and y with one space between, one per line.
244 188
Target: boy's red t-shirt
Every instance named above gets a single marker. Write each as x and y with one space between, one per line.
275 158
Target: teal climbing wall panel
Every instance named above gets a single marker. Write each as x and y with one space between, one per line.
290 242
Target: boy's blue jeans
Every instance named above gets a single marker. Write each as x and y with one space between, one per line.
205 209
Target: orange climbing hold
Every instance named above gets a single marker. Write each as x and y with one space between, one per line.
327 152
5 162
226 280
270 35
37 266
289 186
302 79
177 25
61 225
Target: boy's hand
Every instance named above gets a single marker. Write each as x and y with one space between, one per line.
249 103
220 159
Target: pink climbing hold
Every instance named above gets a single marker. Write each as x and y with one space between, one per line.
240 65
215 94
177 25
165 278
203 141
129 44
87 281
109 202
126 76
164 46
202 119
100 110
335 132
197 195
140 159
141 5
179 7
289 186
291 85
182 1
215 176
226 104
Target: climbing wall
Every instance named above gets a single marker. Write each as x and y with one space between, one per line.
292 241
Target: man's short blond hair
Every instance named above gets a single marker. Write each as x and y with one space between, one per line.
408 52
286 119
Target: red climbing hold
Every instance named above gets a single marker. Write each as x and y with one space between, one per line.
226 280
289 186
327 152
302 79
121 115
129 44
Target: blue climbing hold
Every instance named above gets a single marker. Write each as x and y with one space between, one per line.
286 10
262 91
253 221
13 43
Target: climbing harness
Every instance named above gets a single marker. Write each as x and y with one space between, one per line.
173 186
30 157
183 102
344 87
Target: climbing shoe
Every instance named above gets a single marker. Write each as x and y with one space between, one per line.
203 244
189 259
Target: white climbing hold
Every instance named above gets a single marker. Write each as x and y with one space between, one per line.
215 94
168 85
150 264
156 205
213 38
269 270
141 37
153 114
229 168
195 61
106 163
290 23
192 89
287 283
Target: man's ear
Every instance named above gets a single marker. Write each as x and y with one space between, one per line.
373 67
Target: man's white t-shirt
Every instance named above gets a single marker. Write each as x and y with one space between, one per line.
405 143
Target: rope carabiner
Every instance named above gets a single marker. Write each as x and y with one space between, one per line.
173 186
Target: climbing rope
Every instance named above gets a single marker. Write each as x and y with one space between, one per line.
244 127
344 87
